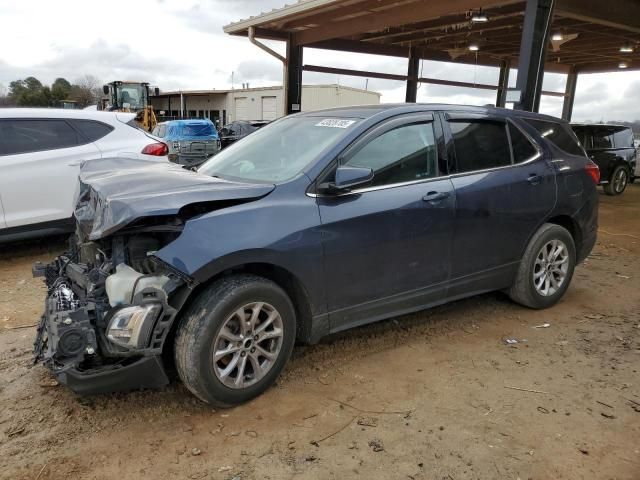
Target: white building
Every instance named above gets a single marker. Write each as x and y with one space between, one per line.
254 103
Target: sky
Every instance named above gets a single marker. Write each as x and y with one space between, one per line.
179 44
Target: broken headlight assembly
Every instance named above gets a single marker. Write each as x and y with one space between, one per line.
131 326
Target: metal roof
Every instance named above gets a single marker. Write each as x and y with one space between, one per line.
593 31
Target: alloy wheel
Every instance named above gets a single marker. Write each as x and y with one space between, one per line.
247 345
620 180
551 267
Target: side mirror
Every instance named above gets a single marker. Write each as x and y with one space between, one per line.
349 177
105 89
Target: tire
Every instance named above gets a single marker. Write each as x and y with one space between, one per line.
200 334
618 181
525 289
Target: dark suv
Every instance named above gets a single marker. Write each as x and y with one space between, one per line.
234 131
611 148
317 223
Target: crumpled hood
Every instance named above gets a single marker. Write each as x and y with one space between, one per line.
115 192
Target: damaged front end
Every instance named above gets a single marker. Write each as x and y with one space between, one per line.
109 308
111 302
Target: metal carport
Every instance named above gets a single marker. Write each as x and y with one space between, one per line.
565 36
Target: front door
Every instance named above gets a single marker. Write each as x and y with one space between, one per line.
387 245
504 190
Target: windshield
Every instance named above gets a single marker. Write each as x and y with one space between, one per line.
133 94
198 130
279 151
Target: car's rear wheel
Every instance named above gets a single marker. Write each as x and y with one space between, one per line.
546 268
235 339
618 182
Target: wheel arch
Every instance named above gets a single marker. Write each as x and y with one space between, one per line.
282 277
571 226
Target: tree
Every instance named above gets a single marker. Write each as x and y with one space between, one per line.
86 91
5 100
60 90
29 93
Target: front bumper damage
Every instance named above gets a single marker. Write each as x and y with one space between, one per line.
73 339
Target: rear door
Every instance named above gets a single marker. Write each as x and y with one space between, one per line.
504 189
387 245
40 161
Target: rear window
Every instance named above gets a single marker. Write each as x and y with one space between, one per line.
31 135
561 136
91 130
604 137
198 130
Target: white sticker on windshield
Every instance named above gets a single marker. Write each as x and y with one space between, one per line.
335 123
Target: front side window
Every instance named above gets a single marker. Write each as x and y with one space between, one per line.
279 151
23 136
480 144
405 154
556 133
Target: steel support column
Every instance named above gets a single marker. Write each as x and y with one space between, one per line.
412 76
533 49
569 95
293 74
503 84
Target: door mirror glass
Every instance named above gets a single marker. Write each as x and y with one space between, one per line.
349 177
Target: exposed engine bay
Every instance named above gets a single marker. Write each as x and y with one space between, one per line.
109 307
111 302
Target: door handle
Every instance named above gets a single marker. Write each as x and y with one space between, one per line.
534 179
435 197
74 164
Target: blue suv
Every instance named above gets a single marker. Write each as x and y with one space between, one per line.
190 142
316 223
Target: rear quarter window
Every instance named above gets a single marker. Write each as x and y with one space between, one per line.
91 130
558 134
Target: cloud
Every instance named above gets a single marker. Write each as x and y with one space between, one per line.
179 44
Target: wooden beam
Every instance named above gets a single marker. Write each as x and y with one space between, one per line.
620 14
415 12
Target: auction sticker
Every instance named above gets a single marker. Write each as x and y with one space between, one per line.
335 123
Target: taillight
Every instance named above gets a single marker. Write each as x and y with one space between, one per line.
593 171
158 149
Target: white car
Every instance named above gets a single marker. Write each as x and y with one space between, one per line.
40 155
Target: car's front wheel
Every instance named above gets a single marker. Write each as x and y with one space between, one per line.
546 268
235 339
618 182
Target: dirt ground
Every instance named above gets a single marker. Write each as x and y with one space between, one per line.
437 395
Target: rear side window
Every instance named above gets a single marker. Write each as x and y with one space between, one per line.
557 134
523 149
24 136
91 130
623 138
404 154
480 144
